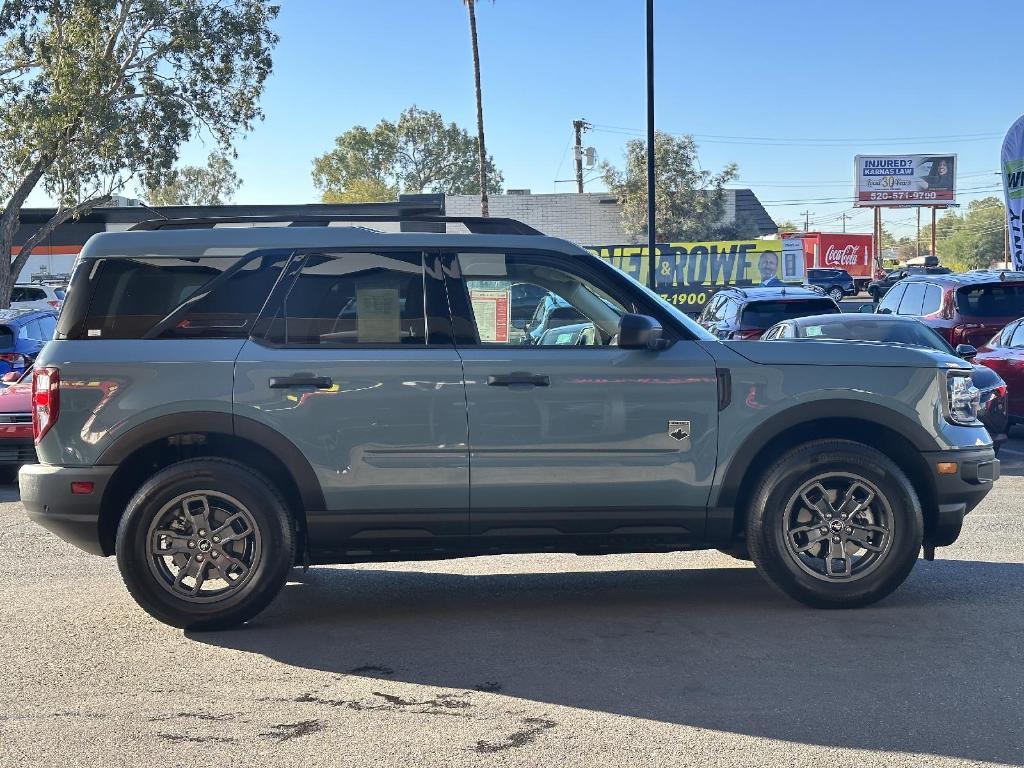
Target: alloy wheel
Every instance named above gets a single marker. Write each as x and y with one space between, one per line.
203 546
838 527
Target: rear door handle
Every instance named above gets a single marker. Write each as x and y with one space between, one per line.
301 380
518 379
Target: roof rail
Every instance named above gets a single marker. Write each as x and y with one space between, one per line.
477 225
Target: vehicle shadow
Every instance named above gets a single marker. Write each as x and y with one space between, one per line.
9 492
935 669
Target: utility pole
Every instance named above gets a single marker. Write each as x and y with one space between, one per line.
652 237
917 242
807 220
844 216
579 126
933 232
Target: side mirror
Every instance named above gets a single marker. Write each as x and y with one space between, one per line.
866 309
966 351
10 377
640 332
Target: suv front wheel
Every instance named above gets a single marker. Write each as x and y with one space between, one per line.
205 544
835 524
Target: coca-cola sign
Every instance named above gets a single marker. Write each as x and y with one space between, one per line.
848 256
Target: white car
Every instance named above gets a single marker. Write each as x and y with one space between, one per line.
36 296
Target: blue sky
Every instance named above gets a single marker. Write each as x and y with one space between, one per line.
806 85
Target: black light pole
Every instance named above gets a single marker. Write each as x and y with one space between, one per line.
652 271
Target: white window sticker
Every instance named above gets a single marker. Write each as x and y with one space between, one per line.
378 313
491 309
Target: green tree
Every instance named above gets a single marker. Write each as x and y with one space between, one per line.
789 226
362 191
972 239
96 93
690 201
481 146
418 153
212 184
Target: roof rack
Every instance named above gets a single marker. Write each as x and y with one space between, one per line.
477 225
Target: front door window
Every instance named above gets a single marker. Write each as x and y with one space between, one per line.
526 300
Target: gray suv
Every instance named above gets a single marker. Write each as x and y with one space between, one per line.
221 404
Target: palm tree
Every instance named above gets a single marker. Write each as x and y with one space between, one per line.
471 6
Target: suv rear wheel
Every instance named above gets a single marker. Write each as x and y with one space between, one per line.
205 544
836 293
835 524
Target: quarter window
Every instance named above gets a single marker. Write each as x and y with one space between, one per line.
180 296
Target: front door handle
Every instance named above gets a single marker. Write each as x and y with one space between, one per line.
301 380
518 379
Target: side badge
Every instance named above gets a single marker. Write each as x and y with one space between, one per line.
679 430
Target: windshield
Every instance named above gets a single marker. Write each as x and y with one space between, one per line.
765 314
911 332
993 300
698 333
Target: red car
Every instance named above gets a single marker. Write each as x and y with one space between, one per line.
1004 354
968 308
16 445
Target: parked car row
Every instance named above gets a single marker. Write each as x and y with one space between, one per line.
978 316
23 333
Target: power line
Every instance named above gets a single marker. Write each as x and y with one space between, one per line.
807 142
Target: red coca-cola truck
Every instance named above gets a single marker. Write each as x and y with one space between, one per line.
832 250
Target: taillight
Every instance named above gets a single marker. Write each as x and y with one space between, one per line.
54 303
13 359
45 400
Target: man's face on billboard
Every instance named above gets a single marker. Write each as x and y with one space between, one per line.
768 265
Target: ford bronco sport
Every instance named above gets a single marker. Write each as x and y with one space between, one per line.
221 404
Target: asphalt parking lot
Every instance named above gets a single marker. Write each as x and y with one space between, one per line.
553 660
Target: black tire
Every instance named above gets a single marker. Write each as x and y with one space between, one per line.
875 294
9 475
771 525
836 294
269 549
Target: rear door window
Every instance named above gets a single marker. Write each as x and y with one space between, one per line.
994 300
346 299
764 314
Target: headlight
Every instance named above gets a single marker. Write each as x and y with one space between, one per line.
962 398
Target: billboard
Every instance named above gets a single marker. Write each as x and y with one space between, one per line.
904 180
1013 186
689 273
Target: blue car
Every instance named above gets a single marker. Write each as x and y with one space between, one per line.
23 332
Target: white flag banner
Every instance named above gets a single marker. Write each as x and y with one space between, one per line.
1013 186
